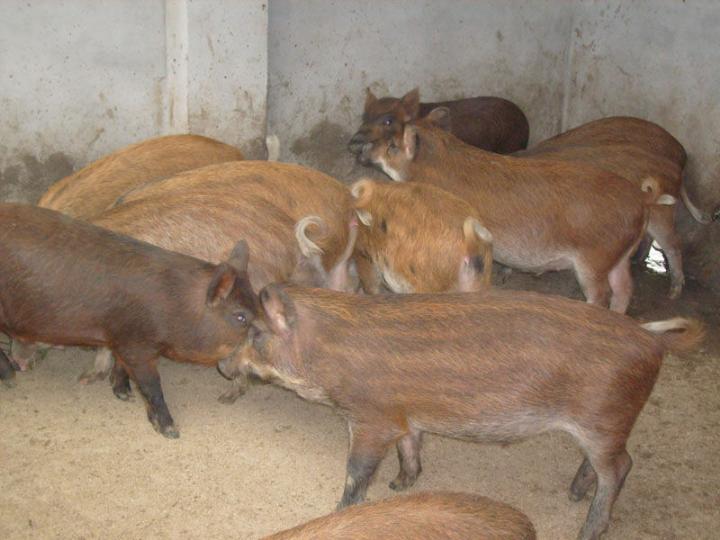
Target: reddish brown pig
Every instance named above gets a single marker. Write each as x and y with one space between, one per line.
430 516
419 238
636 150
490 123
202 212
621 130
543 214
494 366
88 192
66 282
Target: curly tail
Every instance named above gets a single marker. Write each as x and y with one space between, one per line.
678 334
307 246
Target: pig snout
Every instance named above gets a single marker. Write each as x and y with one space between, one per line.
229 368
357 142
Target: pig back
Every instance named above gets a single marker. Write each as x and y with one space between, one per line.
92 189
60 278
491 123
437 515
621 130
292 189
454 362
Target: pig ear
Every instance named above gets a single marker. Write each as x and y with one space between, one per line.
440 117
411 104
240 256
410 141
221 284
370 98
362 191
279 310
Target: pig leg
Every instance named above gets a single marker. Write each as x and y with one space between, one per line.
662 228
621 283
100 370
368 446
7 372
23 354
584 479
368 274
408 449
142 368
238 388
594 284
120 381
611 469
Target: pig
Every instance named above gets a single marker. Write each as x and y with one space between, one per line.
621 130
91 190
431 516
638 151
491 123
419 238
543 214
202 212
66 282
492 366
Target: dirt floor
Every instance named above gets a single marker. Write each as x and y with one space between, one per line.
78 463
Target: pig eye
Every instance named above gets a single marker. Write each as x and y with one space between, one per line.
240 317
387 121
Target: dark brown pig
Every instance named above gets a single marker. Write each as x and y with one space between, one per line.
638 151
88 192
67 282
494 366
543 214
202 212
430 516
491 123
419 238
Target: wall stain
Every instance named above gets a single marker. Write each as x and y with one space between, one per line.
28 182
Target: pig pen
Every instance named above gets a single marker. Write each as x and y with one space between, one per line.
79 463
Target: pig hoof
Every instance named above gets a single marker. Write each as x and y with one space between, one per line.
575 497
397 485
170 432
91 376
122 395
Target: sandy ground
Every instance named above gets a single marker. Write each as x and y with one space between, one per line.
78 463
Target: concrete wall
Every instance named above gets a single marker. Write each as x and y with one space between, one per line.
659 60
81 79
323 54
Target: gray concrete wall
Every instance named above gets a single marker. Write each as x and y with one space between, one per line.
659 60
81 79
324 53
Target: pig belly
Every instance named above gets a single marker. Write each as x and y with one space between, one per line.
498 429
533 261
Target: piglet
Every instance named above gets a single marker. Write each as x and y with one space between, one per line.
492 366
66 282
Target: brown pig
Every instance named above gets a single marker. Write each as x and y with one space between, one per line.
202 212
491 123
430 516
88 192
419 238
543 214
66 282
638 151
493 366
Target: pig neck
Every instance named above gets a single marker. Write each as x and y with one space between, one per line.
444 160
284 364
